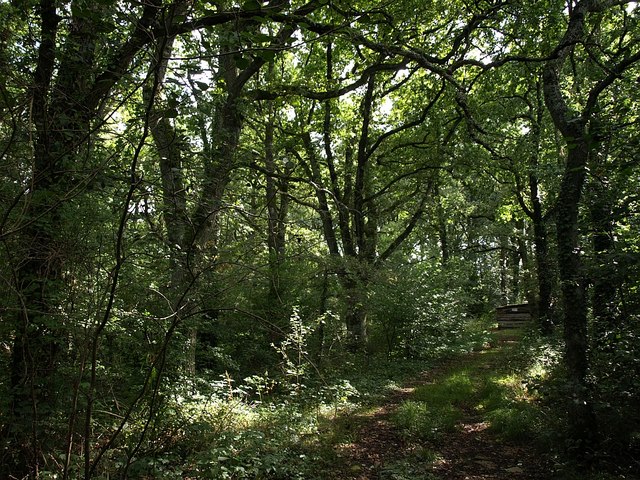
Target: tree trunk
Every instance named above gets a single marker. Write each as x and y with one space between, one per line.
277 202
61 112
355 315
518 259
580 410
40 331
504 294
544 273
524 254
543 264
174 200
322 308
443 236
580 143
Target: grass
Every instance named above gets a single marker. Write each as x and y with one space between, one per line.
227 433
483 385
501 387
425 422
303 436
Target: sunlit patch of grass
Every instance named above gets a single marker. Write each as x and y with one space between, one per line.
433 409
506 402
511 380
453 389
538 370
338 431
491 395
487 384
423 421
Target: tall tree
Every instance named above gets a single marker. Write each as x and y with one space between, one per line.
511 123
71 80
365 195
575 118
80 58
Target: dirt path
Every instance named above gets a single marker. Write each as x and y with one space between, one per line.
472 451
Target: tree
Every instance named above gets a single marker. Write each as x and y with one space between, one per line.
172 170
79 62
512 125
576 120
71 81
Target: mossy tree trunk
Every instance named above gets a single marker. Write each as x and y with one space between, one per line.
582 136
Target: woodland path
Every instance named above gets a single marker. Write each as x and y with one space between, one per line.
471 452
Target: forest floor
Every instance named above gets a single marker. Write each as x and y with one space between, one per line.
378 448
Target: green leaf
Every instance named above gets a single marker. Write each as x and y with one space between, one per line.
261 37
242 62
250 5
267 55
77 11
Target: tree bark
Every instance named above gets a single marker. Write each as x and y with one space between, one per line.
443 236
572 126
356 312
504 259
580 410
277 202
543 264
40 331
544 273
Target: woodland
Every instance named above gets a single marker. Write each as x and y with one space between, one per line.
224 223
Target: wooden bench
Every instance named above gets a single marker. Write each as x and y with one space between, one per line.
513 316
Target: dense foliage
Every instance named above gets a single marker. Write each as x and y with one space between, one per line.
205 205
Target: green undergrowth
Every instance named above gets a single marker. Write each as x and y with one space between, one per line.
303 424
295 424
515 388
265 427
492 386
488 386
